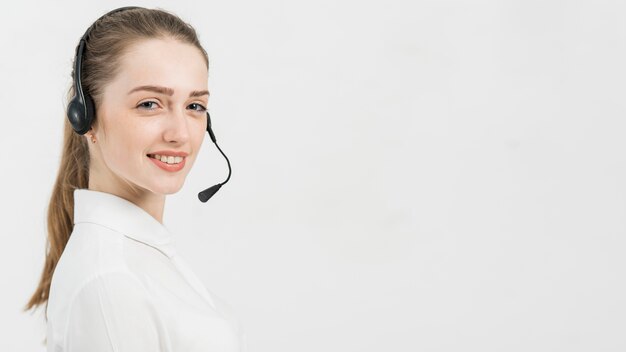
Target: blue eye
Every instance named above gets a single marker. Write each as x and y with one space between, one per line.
143 104
202 108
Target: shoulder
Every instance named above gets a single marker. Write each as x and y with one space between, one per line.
89 252
113 309
92 247
111 291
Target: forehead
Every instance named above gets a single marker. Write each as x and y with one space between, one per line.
165 62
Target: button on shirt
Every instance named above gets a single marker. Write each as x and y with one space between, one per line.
120 286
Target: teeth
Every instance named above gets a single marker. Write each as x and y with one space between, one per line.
168 159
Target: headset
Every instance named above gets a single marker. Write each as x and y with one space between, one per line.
81 108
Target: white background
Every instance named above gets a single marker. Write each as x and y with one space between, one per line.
407 176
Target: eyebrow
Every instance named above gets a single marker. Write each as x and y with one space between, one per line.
168 91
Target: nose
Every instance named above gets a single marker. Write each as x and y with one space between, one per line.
177 129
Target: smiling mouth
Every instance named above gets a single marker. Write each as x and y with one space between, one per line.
172 160
165 165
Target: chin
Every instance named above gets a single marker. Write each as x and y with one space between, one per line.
167 189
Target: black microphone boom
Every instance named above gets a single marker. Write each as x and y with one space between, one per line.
209 192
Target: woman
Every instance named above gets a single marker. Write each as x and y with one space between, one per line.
112 280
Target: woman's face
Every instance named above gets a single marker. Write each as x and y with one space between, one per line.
168 114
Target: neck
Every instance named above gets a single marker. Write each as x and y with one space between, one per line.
150 202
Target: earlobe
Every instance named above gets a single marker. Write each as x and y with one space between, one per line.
91 136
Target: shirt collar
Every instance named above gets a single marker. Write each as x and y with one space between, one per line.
122 216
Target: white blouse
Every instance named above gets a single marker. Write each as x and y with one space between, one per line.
120 286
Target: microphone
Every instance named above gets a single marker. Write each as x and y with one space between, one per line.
209 192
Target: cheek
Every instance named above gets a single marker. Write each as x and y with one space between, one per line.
199 139
126 146
196 139
197 132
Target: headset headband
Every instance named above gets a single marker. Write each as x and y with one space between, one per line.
81 109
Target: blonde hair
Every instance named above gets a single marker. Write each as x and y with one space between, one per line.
109 38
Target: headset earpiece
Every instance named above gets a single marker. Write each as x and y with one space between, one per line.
76 114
